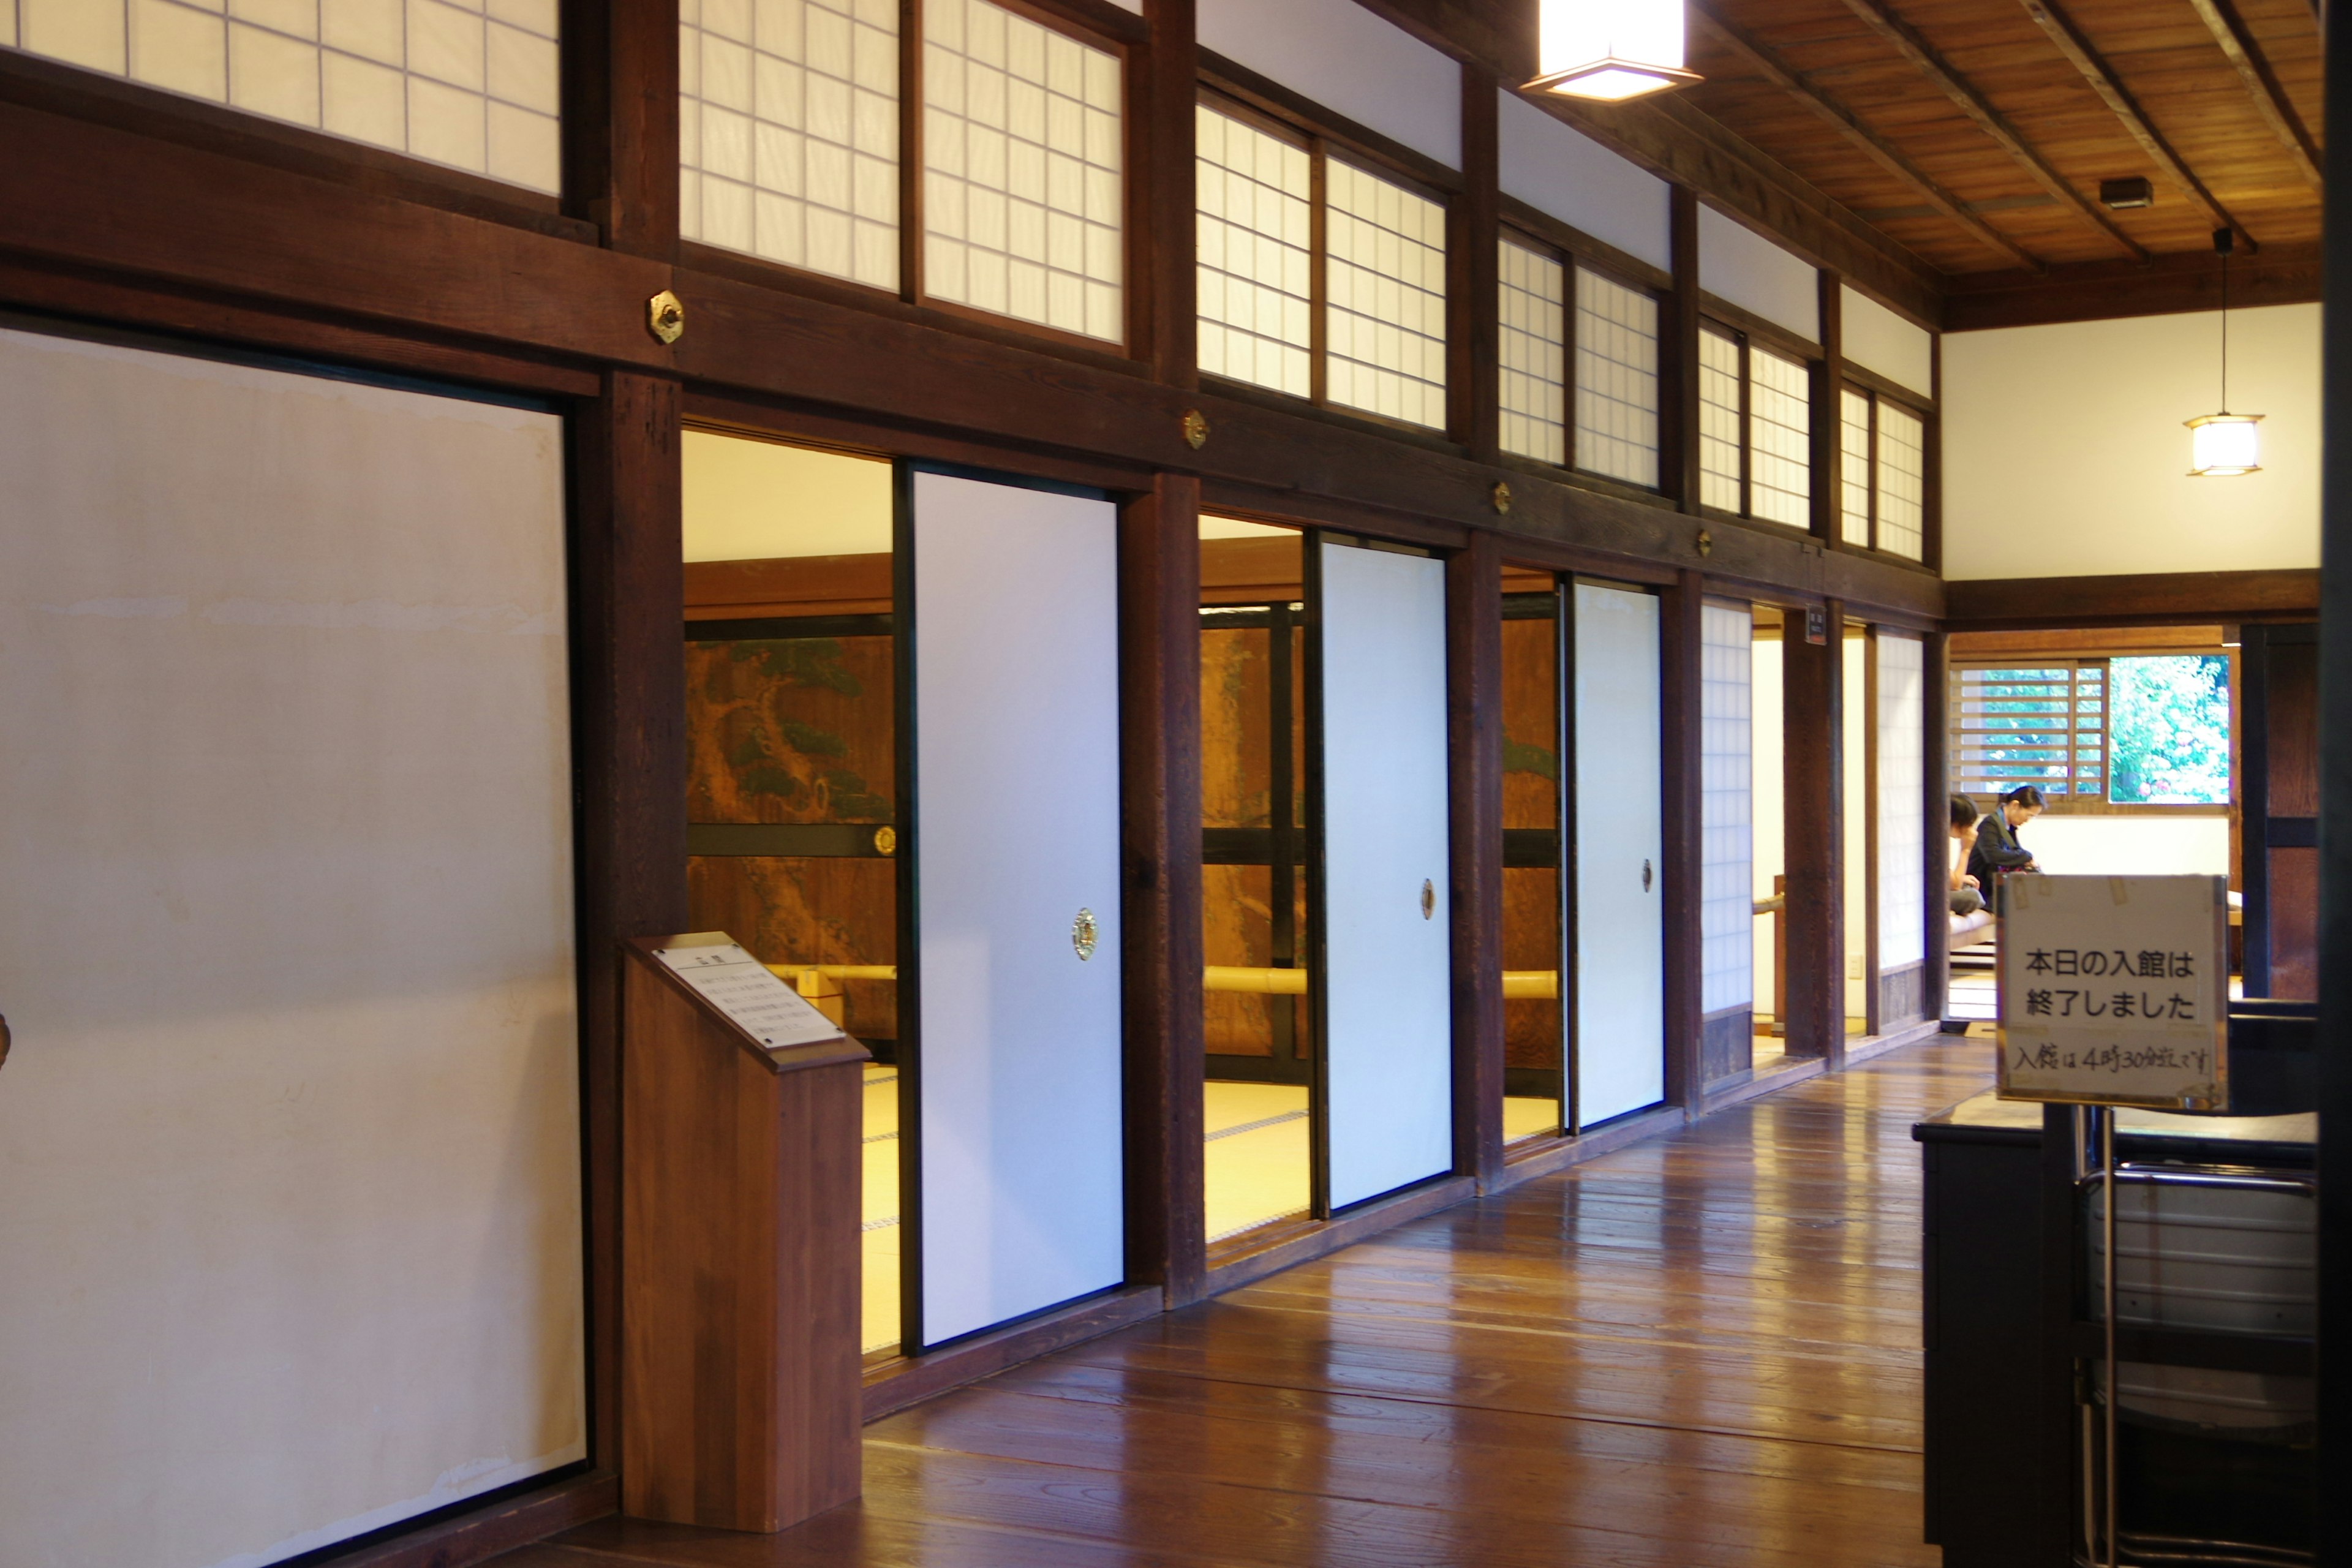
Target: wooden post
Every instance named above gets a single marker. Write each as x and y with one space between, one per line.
628 715
1473 702
743 1264
1814 787
1161 199
1159 743
1475 274
620 121
1935 774
1828 445
1678 383
1678 713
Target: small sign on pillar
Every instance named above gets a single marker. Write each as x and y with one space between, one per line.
2115 991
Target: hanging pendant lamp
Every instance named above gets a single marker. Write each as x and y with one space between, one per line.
1610 50
2225 445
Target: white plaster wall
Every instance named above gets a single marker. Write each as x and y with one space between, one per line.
1877 339
289 1187
1557 171
1342 55
2064 455
758 501
2131 845
1738 264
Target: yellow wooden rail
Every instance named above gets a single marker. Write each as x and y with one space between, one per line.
1517 984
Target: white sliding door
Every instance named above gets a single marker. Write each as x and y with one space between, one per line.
1620 851
289 1170
1387 977
1902 811
1015 757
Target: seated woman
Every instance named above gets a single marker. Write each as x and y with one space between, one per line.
1967 893
1997 849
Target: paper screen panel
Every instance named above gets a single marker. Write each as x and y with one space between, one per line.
1616 380
1902 805
1720 438
1384 285
788 133
293 1106
1533 324
1725 846
474 89
1388 975
1901 480
1780 439
1254 236
1853 467
1020 169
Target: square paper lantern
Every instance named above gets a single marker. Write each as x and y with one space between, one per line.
1610 49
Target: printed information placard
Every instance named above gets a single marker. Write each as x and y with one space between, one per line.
2115 991
743 988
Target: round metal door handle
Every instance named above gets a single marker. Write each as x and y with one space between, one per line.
1428 899
1646 876
1084 934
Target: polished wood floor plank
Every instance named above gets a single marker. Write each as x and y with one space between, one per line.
1695 1352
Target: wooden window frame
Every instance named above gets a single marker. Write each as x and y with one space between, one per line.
2071 804
1259 107
1575 254
1751 331
1875 390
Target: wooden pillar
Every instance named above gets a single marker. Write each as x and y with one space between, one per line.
1828 422
1813 760
1678 391
1160 744
628 738
1936 775
1474 722
1475 274
1678 715
620 121
1160 199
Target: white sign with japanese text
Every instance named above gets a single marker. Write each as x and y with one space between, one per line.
2115 991
747 991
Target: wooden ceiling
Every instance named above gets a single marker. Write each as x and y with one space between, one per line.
1976 132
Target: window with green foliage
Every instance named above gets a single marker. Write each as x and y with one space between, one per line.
2089 732
2168 729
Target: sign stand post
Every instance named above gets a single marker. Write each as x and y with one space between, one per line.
2113 992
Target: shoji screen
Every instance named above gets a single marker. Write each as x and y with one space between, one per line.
1727 905
1902 828
289 1248
1387 976
1857 724
1618 831
1015 829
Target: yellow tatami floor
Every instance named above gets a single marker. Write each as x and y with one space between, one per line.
880 1329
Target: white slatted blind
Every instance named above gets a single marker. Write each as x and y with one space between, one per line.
2042 724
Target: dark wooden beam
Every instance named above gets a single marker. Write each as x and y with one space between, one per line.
1768 63
628 730
1474 722
2245 56
1814 784
620 121
1914 46
1474 272
2107 291
2076 47
2150 599
1159 745
1161 207
1678 330
1684 840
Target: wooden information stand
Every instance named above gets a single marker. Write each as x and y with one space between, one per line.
740 1170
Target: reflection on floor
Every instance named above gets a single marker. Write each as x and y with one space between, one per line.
881 1327
1699 1352
1257 1154
1529 1118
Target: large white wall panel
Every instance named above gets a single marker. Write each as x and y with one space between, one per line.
1338 54
1388 975
290 1245
1618 827
1558 171
1016 747
1738 264
2064 456
1875 338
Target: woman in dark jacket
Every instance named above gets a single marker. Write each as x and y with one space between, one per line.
1997 849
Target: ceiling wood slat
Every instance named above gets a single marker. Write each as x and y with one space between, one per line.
1849 125
2221 19
1913 46
2078 50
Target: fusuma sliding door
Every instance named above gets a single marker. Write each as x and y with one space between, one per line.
1616 836
1011 901
1384 986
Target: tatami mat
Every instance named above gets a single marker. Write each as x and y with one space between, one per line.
1256 1155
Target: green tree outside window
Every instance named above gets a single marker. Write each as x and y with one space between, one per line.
2168 730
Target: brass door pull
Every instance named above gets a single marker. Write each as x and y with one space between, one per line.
1646 876
1428 899
1084 934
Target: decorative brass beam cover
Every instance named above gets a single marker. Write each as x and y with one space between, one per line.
666 317
1196 429
1502 497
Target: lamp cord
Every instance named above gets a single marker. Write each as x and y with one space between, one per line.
2225 331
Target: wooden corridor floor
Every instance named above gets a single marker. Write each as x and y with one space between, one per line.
1700 1349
